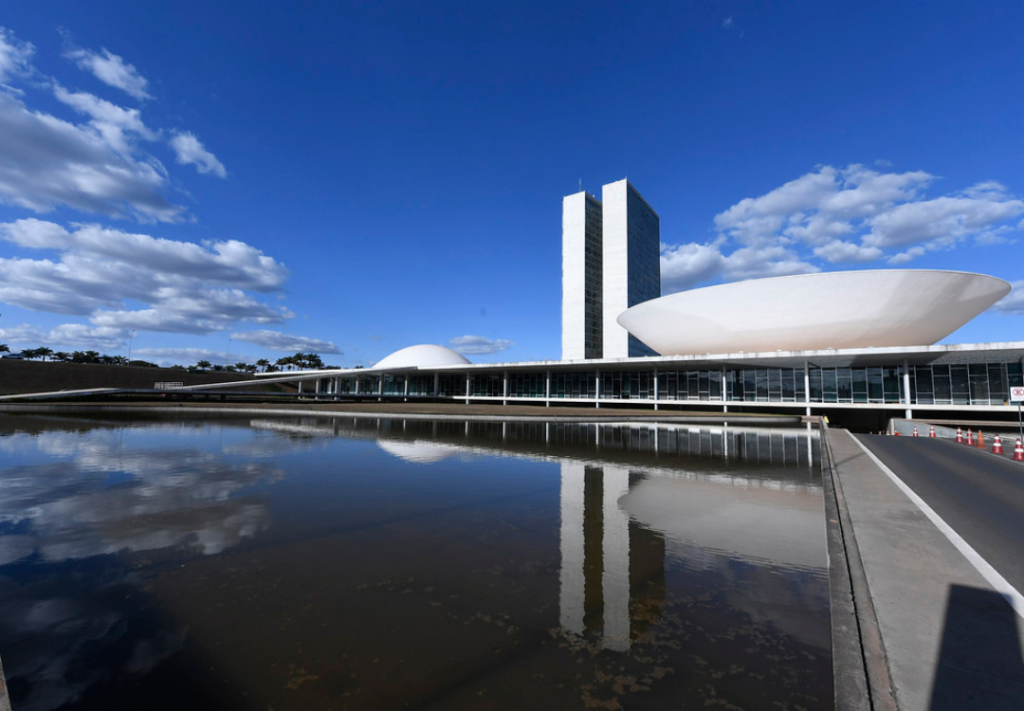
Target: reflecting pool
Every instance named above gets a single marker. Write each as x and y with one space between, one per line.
318 563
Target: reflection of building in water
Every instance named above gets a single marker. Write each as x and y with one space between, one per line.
613 574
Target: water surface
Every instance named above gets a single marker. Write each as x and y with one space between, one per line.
303 563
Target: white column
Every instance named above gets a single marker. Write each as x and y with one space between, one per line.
571 577
407 386
597 388
504 388
906 390
547 389
807 387
469 379
615 547
300 387
655 388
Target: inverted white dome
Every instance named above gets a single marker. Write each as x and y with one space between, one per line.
871 308
423 356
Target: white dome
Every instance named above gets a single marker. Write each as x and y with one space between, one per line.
870 308
423 356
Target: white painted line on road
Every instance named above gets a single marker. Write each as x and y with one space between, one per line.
997 581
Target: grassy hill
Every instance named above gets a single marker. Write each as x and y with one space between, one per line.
22 376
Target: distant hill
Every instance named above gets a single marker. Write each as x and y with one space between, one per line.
22 376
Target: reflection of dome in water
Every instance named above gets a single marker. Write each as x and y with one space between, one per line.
420 357
417 452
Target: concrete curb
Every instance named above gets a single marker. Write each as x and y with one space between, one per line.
735 418
860 668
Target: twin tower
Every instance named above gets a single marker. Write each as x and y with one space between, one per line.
610 261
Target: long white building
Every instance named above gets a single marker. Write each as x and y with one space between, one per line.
856 344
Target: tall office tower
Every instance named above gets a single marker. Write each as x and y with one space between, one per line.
582 321
630 252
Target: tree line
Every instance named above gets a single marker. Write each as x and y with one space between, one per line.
299 361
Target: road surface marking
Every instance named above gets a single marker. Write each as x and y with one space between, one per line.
997 581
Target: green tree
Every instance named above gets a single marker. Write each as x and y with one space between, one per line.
61 357
263 364
4 348
203 365
44 352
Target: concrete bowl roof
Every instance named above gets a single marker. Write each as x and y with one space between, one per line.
862 309
422 356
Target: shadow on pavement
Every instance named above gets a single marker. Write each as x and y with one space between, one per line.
980 664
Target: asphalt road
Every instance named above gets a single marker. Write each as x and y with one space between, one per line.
980 495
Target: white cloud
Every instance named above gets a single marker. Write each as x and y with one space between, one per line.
112 70
479 345
49 162
287 343
109 120
191 152
910 255
98 165
15 56
944 219
227 262
68 336
1012 303
766 261
841 215
185 287
839 251
684 266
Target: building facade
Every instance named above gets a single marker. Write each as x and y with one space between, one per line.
631 246
582 319
610 262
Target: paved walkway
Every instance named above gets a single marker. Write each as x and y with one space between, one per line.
950 640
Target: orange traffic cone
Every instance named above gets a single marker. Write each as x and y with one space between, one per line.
959 436
1018 452
981 440
915 432
997 446
931 432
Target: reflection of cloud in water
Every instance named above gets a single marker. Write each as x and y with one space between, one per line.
417 451
58 646
110 498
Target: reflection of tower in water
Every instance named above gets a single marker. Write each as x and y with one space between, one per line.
613 570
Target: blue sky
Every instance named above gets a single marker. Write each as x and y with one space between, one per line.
237 181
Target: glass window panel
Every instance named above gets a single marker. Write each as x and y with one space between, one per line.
874 384
960 381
